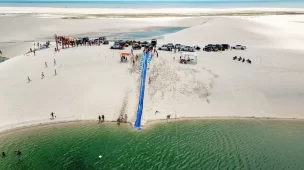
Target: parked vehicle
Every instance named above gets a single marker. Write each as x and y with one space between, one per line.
197 47
102 38
239 47
164 47
154 42
85 39
144 43
136 46
177 46
207 48
170 45
187 48
226 46
219 47
79 41
105 42
117 46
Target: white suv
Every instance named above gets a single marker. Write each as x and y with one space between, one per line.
239 47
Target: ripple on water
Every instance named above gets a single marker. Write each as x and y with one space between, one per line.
199 144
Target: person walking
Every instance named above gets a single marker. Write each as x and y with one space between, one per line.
45 64
133 63
156 54
52 114
34 51
55 72
99 119
42 75
54 62
3 154
28 79
102 116
1 53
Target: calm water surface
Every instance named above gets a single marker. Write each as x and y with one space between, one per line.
149 34
199 144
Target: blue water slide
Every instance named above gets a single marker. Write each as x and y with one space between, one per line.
145 57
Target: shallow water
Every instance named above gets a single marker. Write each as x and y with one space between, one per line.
195 144
149 34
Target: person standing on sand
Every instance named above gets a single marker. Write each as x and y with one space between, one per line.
99 119
133 63
55 72
42 75
28 79
1 53
45 64
102 116
54 62
34 51
156 54
118 120
52 114
168 117
125 118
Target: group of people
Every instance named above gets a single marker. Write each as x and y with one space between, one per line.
101 117
241 59
42 74
18 152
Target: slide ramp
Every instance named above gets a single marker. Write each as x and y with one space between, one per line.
144 63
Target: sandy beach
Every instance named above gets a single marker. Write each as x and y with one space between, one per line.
91 81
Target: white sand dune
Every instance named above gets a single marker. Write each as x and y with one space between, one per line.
91 80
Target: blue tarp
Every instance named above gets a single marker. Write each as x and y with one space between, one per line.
145 57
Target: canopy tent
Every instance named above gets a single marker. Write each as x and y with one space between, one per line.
125 54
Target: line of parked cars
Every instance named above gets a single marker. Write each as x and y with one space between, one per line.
136 45
179 47
222 47
84 40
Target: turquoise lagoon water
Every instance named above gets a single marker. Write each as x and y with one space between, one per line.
183 145
148 34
